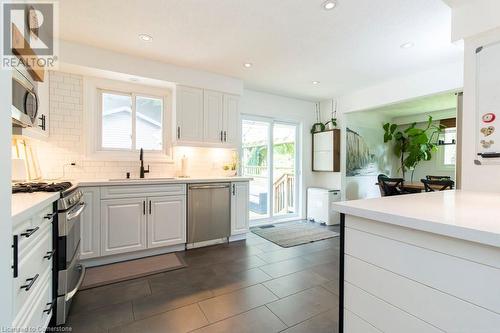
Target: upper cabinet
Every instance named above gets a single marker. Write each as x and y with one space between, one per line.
189 115
206 118
326 151
213 109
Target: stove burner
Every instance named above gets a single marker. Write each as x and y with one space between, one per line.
40 187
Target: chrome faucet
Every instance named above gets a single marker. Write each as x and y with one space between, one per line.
142 171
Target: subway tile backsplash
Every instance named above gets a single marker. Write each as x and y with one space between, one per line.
65 144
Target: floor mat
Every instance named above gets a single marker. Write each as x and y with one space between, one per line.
295 233
132 269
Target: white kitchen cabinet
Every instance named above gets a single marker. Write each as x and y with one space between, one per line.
206 118
239 207
189 115
213 109
123 225
166 221
90 242
231 120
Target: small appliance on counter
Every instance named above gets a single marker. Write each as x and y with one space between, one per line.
68 272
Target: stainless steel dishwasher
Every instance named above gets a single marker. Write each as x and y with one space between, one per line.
209 213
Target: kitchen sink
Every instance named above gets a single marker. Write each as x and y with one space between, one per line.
139 179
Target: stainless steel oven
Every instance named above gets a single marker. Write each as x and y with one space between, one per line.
70 272
24 107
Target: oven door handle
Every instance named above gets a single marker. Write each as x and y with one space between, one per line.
72 293
74 215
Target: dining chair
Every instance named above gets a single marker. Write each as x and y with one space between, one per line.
437 185
429 177
390 186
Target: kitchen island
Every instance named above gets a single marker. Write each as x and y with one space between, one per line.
430 262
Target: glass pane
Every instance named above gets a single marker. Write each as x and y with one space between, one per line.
116 121
149 122
450 151
284 150
255 143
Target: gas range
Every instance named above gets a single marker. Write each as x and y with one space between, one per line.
70 195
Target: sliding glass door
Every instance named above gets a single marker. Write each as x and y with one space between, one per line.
269 155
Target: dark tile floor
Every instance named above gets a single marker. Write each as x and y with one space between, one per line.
246 286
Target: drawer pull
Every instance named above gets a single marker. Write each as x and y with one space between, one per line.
30 281
29 232
49 254
51 307
50 216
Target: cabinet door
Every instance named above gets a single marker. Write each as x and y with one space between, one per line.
90 242
213 110
123 225
239 207
189 114
166 221
231 120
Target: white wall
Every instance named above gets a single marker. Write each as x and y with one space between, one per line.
5 200
287 109
73 55
66 142
485 177
470 18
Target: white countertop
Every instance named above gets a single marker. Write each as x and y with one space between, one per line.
26 204
472 216
157 181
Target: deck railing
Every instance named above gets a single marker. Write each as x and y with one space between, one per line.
284 188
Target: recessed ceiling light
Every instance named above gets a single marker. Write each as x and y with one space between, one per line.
145 37
407 45
329 5
247 64
315 83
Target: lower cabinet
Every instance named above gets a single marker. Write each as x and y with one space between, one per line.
166 221
133 224
123 225
239 207
90 228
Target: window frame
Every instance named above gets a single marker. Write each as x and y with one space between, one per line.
93 91
440 165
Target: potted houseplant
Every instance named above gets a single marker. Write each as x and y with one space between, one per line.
413 144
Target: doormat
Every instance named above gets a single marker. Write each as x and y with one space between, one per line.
295 233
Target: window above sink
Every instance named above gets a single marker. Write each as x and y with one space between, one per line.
121 118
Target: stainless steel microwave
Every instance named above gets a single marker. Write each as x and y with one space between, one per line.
24 99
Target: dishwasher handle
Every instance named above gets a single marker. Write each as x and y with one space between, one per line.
207 187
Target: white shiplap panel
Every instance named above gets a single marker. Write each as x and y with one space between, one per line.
476 283
437 308
354 324
480 253
382 315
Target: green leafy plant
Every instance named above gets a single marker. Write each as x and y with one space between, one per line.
413 145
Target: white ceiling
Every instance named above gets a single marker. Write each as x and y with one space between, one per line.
423 105
291 43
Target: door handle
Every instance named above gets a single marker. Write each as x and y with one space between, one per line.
29 232
234 189
30 282
49 254
15 254
50 216
149 207
225 136
144 207
51 307
221 136
178 132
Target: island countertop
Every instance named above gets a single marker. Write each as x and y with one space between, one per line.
466 215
